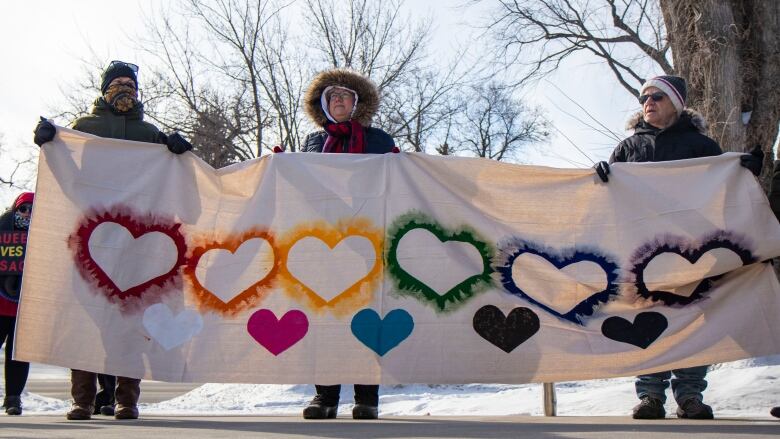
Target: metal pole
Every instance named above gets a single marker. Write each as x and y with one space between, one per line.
550 403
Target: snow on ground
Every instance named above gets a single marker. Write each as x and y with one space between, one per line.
747 388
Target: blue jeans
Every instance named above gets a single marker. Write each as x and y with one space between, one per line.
687 383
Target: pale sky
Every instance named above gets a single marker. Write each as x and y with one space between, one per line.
46 41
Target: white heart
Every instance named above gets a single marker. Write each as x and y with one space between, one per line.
169 330
228 274
439 265
329 272
673 273
559 289
129 261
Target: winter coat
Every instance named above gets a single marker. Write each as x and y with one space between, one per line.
377 141
685 139
10 284
774 190
130 125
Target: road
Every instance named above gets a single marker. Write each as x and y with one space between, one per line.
290 427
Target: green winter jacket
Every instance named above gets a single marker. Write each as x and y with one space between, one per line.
104 122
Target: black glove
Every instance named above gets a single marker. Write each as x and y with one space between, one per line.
602 169
176 143
44 132
754 161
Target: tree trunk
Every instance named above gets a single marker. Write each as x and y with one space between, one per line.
729 52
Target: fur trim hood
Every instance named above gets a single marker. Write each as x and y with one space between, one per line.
696 119
368 95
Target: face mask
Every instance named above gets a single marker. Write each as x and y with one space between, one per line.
121 97
21 222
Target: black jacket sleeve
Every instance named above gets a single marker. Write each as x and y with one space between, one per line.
711 148
774 190
314 142
617 154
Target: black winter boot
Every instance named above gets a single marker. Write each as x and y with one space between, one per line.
649 408
320 409
12 405
775 412
364 411
693 408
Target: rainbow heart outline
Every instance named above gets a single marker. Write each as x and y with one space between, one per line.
407 284
514 247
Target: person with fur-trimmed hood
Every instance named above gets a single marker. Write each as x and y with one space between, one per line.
343 103
666 130
16 218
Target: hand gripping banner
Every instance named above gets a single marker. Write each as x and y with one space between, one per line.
395 268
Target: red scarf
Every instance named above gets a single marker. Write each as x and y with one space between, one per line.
345 137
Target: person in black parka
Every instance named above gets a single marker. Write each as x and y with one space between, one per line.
343 103
665 130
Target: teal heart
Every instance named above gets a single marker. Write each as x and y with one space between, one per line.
382 335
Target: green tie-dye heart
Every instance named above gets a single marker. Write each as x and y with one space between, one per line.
410 285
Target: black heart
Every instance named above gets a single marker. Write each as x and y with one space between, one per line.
505 332
646 329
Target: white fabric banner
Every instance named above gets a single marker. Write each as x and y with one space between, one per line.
395 268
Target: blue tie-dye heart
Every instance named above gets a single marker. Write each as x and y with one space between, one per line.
382 335
514 247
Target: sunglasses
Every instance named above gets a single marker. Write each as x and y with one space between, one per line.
24 208
657 97
131 66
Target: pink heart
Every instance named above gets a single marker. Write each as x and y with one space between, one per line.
277 335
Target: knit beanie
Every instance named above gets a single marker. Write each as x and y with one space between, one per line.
672 86
24 197
117 70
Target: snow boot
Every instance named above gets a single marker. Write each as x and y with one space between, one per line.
320 409
128 390
649 408
364 411
80 413
775 412
13 405
693 408
126 412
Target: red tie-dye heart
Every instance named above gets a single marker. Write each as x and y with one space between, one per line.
139 227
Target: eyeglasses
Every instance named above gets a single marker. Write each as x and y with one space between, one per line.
24 208
131 66
341 95
657 97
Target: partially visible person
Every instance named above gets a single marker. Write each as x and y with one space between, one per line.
104 399
117 114
774 203
666 130
16 218
343 103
